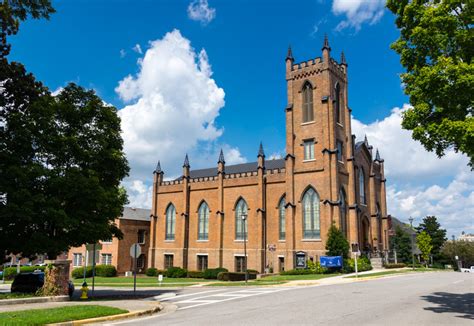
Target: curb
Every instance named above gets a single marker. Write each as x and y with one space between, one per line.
139 313
59 298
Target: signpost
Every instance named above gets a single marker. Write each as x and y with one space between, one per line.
135 252
94 248
160 279
300 261
272 249
356 252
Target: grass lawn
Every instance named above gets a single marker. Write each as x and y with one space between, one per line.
402 271
56 315
16 295
142 281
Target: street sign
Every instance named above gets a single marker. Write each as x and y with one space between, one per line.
271 247
135 250
355 247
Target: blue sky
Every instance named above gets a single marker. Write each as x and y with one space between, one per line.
97 44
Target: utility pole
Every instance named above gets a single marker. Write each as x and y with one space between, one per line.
412 245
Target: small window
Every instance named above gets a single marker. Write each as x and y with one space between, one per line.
77 260
339 150
170 222
308 149
239 264
203 222
168 261
241 217
307 102
362 186
106 259
141 236
282 222
141 261
337 102
202 262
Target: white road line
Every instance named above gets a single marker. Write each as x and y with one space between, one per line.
458 281
193 301
178 297
230 295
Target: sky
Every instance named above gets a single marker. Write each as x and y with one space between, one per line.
195 76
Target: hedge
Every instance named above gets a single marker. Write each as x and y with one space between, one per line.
297 272
363 264
100 270
398 265
211 273
234 276
151 272
10 272
195 274
176 272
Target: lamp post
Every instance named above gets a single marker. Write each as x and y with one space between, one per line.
244 217
412 246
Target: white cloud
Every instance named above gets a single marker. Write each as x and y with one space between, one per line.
418 182
137 48
57 91
123 53
199 10
358 12
175 106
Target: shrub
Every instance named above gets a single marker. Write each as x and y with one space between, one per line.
315 267
151 272
363 264
297 272
211 273
79 272
176 272
10 272
105 271
234 276
398 265
252 271
337 244
195 274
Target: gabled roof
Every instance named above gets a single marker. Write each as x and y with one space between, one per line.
137 214
237 168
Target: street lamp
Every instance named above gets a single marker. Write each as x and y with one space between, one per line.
412 246
244 217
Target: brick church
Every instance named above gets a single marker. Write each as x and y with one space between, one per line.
283 208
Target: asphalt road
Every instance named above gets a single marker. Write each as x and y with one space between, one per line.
444 298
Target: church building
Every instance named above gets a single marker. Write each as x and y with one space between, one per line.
281 208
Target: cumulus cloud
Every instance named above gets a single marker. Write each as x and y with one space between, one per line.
200 11
358 12
419 183
123 53
174 102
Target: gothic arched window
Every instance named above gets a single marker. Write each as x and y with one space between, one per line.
240 223
362 186
203 221
311 229
337 102
307 102
170 222
343 212
281 219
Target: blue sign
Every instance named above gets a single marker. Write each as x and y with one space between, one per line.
330 261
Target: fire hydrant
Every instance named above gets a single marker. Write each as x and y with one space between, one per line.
84 290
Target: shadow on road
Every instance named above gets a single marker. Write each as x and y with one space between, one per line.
123 294
462 304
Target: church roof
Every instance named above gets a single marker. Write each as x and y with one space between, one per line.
237 168
137 214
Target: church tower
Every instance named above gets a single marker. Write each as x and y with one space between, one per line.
319 141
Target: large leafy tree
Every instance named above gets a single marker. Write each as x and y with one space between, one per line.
463 249
14 11
436 47
401 242
61 164
431 226
423 240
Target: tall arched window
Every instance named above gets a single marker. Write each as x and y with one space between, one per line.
170 222
203 221
343 212
362 186
311 229
281 219
337 102
241 224
307 102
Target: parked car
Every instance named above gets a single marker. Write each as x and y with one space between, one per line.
32 282
468 270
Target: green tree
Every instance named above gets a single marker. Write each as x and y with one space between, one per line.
401 242
423 240
463 249
61 163
436 47
431 226
14 11
337 244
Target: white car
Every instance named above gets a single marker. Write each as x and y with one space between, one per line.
468 270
